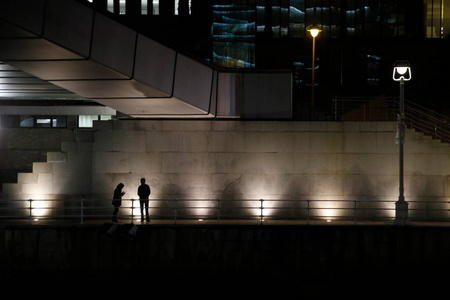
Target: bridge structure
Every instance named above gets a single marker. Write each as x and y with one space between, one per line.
72 49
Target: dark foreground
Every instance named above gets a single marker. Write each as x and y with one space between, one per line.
282 262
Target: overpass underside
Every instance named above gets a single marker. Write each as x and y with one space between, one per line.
72 47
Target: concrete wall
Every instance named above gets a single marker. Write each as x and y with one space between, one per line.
277 160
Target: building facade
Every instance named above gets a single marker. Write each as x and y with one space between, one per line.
355 51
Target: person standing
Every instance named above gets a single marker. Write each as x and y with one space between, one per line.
144 193
117 200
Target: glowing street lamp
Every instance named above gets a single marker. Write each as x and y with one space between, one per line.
314 30
402 73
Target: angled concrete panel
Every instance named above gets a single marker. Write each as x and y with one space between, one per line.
155 64
77 20
8 30
33 49
67 70
193 82
113 45
155 107
29 15
97 89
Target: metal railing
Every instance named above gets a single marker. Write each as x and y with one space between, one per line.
365 109
217 211
418 117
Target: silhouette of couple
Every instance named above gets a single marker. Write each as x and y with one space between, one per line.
143 192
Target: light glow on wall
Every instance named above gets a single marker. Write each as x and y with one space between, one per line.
40 208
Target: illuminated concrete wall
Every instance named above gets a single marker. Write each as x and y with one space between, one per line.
242 159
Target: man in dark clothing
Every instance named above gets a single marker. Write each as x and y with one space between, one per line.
144 192
117 200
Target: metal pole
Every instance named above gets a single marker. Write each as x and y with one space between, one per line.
402 123
175 210
218 211
308 208
132 210
31 213
261 211
312 70
82 210
401 206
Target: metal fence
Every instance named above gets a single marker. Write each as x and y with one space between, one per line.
420 118
217 211
365 109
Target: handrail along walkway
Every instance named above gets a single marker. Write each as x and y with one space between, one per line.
220 211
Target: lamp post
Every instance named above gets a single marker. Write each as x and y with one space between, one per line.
314 30
402 73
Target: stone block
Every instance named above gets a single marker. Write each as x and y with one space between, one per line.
193 141
318 142
111 162
129 140
386 126
352 126
102 183
154 125
32 189
126 125
12 189
102 125
447 185
334 142
171 126
386 143
159 141
302 142
228 185
27 178
56 157
285 126
343 163
45 181
356 142
148 162
425 186
196 186
379 164
76 146
192 163
386 186
368 127
68 183
319 127
253 126
227 142
42 167
254 163
235 126
359 187
103 140
324 186
310 163
220 126
260 141
302 126
335 126
285 142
